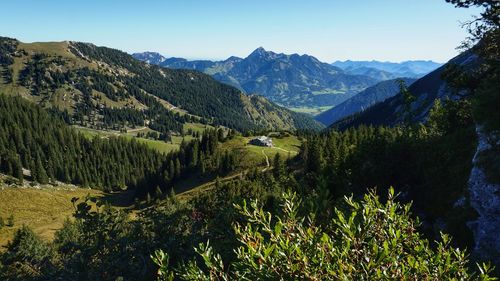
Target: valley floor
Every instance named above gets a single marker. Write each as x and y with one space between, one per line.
311 110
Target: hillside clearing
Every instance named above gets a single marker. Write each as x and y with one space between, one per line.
252 155
160 146
43 209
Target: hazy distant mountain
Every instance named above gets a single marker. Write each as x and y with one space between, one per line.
426 90
374 73
413 68
363 100
290 80
149 57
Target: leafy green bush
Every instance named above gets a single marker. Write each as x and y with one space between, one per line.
371 240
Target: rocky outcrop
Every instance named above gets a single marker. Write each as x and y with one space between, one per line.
485 199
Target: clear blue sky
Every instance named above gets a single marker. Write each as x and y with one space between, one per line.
392 30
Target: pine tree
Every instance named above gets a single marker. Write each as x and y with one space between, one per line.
177 168
278 167
171 167
408 99
17 169
202 164
158 192
40 175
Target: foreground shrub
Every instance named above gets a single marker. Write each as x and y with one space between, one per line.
371 240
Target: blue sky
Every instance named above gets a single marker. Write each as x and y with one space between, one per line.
392 30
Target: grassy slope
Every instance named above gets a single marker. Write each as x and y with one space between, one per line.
161 146
254 155
313 110
251 156
43 209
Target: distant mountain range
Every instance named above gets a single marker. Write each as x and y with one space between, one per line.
363 100
412 68
290 80
426 90
296 80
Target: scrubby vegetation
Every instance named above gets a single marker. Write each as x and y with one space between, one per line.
106 244
368 240
328 213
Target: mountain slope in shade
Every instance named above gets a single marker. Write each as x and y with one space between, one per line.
374 73
363 100
289 80
413 69
99 85
426 90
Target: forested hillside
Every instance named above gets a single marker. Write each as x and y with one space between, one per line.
304 200
408 189
48 150
106 88
363 100
35 140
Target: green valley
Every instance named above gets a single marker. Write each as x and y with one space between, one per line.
143 167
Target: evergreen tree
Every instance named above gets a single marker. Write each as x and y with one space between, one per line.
40 175
278 166
177 168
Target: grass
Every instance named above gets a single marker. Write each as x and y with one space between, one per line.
50 48
330 92
44 209
196 127
252 155
311 110
160 146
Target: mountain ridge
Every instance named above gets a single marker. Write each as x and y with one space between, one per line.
425 90
408 68
368 97
95 85
290 80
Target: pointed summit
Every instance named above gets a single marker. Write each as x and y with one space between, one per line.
260 51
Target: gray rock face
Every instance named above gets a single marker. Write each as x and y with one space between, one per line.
485 199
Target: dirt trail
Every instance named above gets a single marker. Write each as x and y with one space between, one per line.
267 159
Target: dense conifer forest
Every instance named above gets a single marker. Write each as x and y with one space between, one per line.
361 203
40 142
